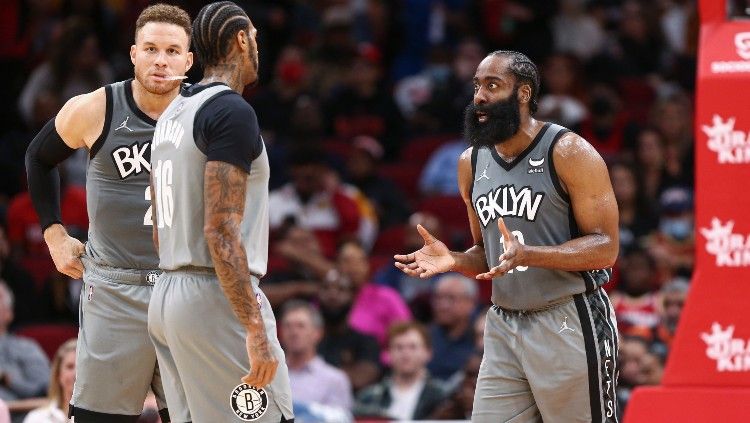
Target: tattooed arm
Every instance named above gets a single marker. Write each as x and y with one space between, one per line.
224 200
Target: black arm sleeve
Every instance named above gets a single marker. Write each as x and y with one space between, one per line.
226 130
45 152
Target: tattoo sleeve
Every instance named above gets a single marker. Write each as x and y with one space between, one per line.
224 199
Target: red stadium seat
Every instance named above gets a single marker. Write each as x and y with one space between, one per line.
451 210
389 241
49 336
379 260
404 175
418 150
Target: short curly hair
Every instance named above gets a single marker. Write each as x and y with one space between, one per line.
164 13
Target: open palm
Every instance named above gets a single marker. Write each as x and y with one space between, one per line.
433 258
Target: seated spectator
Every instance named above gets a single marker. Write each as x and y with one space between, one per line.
632 351
25 235
635 300
4 412
673 296
24 368
362 105
453 303
20 283
673 243
389 201
302 266
313 381
74 67
409 393
60 390
440 174
460 403
415 291
376 307
353 352
561 103
315 201
637 215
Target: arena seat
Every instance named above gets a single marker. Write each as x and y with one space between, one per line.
404 175
418 150
49 336
390 240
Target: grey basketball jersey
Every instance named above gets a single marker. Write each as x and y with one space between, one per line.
527 194
118 198
178 175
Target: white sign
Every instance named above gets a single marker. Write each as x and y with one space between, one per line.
730 249
730 145
742 44
731 354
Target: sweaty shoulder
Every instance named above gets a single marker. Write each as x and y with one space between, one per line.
81 120
464 173
574 157
226 129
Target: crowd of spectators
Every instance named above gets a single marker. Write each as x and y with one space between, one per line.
361 105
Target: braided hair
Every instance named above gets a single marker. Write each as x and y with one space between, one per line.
214 26
525 71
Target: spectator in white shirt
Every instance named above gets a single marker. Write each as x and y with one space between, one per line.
61 382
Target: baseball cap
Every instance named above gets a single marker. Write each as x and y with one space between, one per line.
676 200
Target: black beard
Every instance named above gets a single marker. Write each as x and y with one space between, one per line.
503 121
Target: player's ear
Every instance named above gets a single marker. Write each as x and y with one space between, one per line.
132 54
242 40
189 63
524 94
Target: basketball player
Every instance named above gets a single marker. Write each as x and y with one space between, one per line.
544 219
213 327
116 361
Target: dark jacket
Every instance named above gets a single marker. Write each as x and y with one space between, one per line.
374 400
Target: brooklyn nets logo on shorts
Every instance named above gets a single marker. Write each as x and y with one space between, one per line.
248 403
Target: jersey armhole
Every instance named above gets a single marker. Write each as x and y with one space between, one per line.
97 145
201 143
552 172
474 154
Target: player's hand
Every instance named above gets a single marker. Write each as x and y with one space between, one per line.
262 362
510 258
433 258
65 250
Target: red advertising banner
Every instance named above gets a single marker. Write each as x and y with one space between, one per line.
709 363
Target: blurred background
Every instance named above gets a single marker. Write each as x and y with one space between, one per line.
361 105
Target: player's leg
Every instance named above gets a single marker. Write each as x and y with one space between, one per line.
115 359
166 384
502 392
207 343
570 361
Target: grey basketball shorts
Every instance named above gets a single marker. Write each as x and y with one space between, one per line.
200 344
557 364
115 361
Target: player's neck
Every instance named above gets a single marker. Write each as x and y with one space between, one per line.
226 72
516 144
153 105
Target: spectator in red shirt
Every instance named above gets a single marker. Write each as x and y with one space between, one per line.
315 200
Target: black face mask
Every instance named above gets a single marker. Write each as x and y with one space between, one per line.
503 121
336 315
